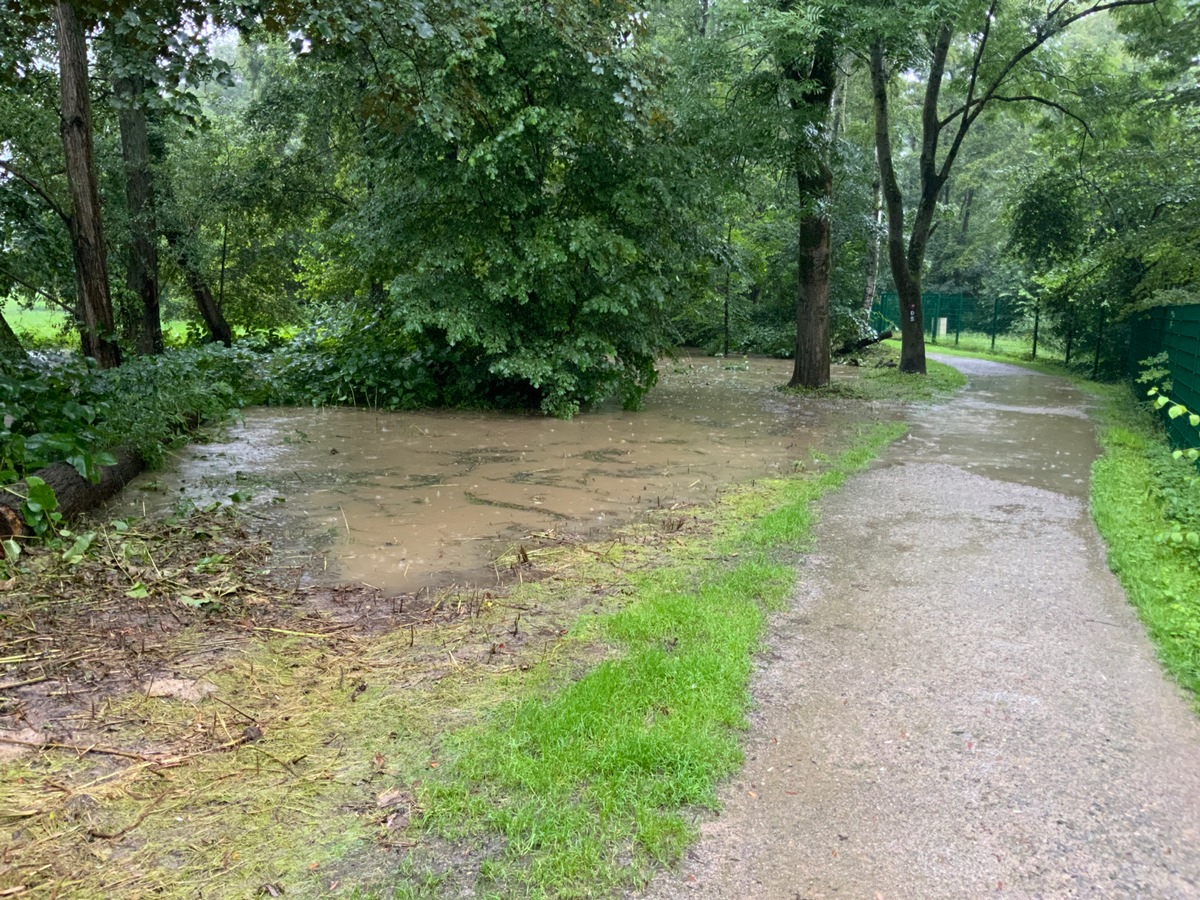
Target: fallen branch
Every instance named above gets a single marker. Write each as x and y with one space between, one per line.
78 748
855 346
75 494
112 836
9 685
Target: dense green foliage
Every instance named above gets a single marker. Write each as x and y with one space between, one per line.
1146 503
474 205
54 409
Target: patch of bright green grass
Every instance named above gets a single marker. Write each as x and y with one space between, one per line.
40 326
44 326
1047 366
887 384
582 791
1005 346
1140 494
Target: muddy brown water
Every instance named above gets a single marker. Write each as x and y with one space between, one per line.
407 500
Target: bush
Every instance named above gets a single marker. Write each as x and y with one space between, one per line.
61 408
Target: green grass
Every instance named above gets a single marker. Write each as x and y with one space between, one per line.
581 792
1140 494
1006 346
884 383
44 326
1045 365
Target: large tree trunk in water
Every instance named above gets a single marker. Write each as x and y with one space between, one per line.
75 494
87 229
142 272
10 344
814 183
210 310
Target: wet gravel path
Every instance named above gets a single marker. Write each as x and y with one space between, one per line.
961 702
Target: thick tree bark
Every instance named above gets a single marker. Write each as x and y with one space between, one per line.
814 183
87 228
811 368
10 344
75 494
210 310
142 253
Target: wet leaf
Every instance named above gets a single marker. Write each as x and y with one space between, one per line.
393 797
138 591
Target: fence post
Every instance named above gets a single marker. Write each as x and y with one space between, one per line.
1099 341
995 310
1037 319
958 320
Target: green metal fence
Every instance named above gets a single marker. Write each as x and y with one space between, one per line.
947 316
1174 330
1083 338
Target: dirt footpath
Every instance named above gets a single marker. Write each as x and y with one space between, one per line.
961 702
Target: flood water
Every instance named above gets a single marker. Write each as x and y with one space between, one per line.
402 500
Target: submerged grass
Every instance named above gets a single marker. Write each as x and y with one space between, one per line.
583 790
1140 495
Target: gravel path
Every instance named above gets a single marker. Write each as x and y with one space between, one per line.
961 702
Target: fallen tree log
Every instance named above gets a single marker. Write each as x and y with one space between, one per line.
75 494
854 346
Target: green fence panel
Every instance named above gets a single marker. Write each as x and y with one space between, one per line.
1176 331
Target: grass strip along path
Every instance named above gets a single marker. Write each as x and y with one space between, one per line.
1141 498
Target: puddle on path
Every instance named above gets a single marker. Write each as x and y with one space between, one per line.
405 500
1005 425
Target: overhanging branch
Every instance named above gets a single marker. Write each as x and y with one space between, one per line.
37 189
1032 98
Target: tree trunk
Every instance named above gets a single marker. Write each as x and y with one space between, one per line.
87 228
812 309
906 278
872 281
142 256
210 310
814 183
10 344
75 494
